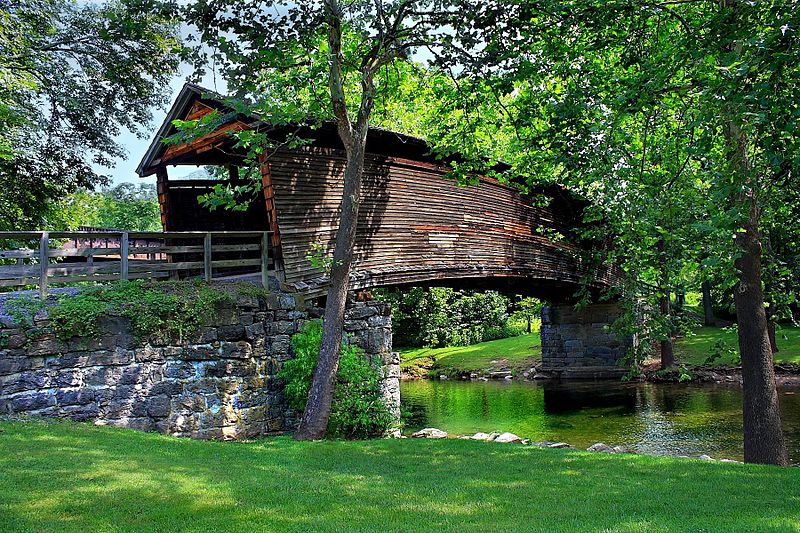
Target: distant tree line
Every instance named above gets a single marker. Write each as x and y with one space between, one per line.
442 316
125 207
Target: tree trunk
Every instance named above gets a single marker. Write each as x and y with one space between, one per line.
680 298
318 408
354 138
708 310
529 325
763 436
667 351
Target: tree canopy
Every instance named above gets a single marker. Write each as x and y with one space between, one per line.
74 76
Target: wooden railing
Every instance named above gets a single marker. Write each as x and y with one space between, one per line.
45 258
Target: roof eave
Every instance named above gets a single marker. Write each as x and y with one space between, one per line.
188 92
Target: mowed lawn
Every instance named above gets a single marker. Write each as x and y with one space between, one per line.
61 476
695 349
512 352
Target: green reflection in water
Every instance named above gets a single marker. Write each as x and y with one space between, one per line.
650 418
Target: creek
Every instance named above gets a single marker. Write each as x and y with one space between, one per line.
661 419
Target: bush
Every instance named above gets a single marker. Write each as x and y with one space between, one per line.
440 316
358 409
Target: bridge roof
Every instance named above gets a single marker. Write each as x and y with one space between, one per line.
379 140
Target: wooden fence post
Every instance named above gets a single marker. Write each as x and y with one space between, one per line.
123 255
265 240
207 256
44 260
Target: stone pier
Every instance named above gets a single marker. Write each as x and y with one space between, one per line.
578 344
220 383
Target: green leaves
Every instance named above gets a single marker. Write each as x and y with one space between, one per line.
75 75
358 409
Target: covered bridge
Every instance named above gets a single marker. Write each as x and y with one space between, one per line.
415 225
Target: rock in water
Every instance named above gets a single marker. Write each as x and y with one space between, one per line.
508 438
559 445
430 433
600 447
484 436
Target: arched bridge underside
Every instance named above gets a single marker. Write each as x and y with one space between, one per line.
416 225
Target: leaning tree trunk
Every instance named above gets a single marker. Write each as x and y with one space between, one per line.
318 407
354 138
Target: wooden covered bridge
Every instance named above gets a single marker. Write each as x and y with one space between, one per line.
416 225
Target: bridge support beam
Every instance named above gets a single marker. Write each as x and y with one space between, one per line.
577 344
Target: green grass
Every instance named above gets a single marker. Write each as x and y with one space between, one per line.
695 349
62 477
514 353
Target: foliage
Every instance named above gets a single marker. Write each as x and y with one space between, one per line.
79 315
358 410
73 77
318 257
166 310
441 316
125 207
723 350
527 310
22 309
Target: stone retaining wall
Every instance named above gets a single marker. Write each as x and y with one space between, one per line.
221 383
577 343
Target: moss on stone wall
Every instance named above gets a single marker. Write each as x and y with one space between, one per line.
170 310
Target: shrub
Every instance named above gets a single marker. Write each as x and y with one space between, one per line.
358 409
440 316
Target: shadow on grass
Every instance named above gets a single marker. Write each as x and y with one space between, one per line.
66 476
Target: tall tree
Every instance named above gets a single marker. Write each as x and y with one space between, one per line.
763 437
300 62
74 76
582 81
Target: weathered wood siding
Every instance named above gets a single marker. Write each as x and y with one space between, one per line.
415 225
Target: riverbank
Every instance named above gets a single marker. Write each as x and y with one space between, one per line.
513 357
519 357
60 476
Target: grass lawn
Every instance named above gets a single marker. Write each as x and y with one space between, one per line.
514 352
61 476
694 350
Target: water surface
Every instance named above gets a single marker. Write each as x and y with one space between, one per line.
674 419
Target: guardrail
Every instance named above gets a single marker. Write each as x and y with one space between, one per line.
45 258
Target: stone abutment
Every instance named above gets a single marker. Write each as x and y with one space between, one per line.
221 383
579 344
